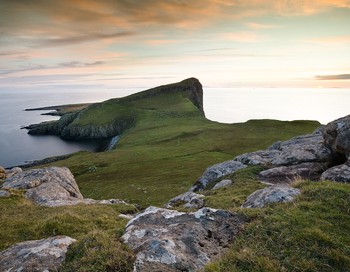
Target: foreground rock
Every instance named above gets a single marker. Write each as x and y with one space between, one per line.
216 171
52 187
340 173
301 149
272 194
40 255
337 135
188 200
167 240
287 174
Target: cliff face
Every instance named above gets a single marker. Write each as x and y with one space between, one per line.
114 116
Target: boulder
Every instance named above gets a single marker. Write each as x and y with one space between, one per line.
339 173
286 174
188 200
46 185
216 171
2 173
51 187
39 255
223 183
272 194
306 148
13 171
337 136
4 193
168 240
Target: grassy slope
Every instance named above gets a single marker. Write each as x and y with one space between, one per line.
310 234
169 147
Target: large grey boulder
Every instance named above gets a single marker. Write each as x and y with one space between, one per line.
306 148
39 255
46 185
168 240
272 194
188 200
339 173
52 187
287 174
216 171
337 136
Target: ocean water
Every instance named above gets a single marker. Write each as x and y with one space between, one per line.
227 105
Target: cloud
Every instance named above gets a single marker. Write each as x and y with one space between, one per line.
67 19
258 26
242 36
81 38
335 40
334 77
73 64
63 65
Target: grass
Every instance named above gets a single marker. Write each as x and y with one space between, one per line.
162 157
310 234
168 147
97 229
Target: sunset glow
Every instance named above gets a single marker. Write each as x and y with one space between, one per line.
107 44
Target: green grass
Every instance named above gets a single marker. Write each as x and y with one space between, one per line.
97 229
162 157
310 234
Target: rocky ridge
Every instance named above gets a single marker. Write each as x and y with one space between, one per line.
50 186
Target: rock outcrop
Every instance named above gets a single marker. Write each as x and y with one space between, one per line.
272 194
287 174
13 171
2 173
301 149
52 187
337 137
167 240
188 200
339 173
39 255
215 172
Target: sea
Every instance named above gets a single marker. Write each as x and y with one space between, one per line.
225 105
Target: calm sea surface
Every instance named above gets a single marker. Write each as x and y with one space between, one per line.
228 105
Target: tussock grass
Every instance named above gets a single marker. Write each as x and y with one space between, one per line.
310 234
97 229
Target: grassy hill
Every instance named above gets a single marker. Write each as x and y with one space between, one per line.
167 146
162 152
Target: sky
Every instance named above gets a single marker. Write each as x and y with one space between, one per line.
107 44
